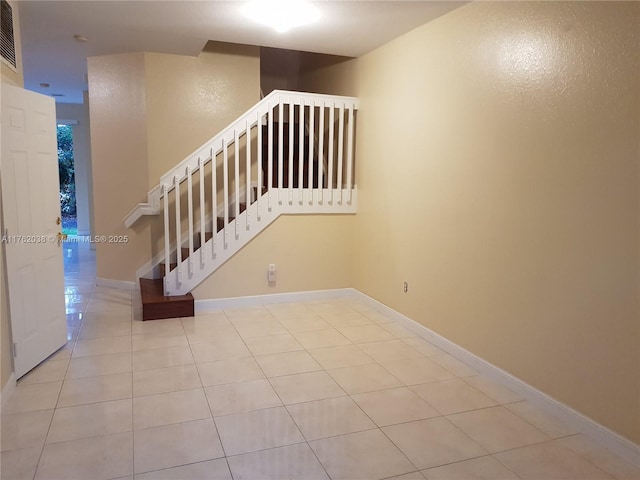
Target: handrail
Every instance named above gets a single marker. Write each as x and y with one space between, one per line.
206 152
150 207
240 124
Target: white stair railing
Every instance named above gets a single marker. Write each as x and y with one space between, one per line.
253 189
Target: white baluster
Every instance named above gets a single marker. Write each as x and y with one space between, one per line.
247 195
236 184
312 137
301 152
291 148
280 148
202 216
167 239
331 149
321 155
270 159
190 218
225 190
214 202
340 150
350 152
176 185
259 191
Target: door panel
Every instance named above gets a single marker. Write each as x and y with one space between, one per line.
31 206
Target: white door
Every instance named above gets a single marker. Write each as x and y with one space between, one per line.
31 209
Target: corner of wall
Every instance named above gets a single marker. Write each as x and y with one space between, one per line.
118 118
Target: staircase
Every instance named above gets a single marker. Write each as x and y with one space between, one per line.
292 153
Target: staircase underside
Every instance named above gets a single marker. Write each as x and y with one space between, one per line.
156 306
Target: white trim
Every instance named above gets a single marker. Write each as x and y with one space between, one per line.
8 389
612 441
615 443
63 121
119 284
204 306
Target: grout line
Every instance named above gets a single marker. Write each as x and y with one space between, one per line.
308 351
133 429
280 398
206 398
55 408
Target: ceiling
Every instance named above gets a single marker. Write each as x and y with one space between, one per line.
51 54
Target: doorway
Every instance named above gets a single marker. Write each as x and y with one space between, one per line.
78 259
66 174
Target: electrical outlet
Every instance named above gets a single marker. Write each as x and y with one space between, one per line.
271 273
405 287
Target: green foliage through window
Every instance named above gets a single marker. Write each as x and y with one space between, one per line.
66 171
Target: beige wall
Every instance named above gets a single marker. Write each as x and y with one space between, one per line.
119 158
311 252
82 158
152 111
190 99
15 78
498 167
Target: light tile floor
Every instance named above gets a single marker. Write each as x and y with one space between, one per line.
310 390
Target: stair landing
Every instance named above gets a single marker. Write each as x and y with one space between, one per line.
155 305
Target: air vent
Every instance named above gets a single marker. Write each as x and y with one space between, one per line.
7 41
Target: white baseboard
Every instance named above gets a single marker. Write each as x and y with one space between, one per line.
8 389
203 306
119 284
612 441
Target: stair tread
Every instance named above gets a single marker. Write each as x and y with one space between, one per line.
155 305
152 291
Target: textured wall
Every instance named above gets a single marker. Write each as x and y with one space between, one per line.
148 112
119 157
311 252
498 167
190 99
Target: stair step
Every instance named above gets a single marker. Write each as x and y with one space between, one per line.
163 269
155 305
255 190
185 253
221 222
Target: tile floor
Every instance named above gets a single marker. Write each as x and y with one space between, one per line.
316 390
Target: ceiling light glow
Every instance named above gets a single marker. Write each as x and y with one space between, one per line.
282 15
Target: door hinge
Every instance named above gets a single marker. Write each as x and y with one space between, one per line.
14 349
